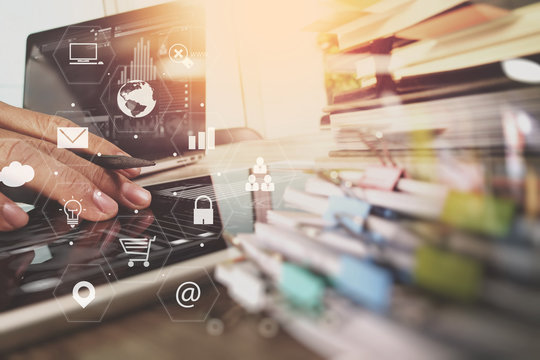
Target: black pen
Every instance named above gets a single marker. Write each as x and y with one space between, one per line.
117 162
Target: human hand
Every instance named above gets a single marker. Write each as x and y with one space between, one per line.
30 138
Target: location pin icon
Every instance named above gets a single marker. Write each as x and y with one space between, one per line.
84 301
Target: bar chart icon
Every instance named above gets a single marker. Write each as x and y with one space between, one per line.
142 66
206 140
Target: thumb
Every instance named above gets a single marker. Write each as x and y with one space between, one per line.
11 215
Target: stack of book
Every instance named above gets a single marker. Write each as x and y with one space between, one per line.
400 56
405 47
371 262
418 236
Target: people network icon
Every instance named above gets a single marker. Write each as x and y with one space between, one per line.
260 168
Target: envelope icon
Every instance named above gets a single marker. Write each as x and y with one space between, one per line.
72 137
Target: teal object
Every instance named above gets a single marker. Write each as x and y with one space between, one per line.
301 287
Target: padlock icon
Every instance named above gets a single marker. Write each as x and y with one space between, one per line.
203 216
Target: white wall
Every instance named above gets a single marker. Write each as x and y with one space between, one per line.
20 18
281 66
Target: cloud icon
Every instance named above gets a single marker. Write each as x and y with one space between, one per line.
16 174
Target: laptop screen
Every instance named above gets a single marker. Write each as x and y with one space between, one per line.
136 78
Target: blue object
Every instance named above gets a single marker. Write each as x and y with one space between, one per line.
364 283
350 212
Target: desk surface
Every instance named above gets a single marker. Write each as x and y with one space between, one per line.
149 333
244 154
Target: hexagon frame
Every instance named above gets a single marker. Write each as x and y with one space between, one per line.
158 294
128 279
181 45
47 201
40 191
224 221
284 159
105 69
86 114
207 63
216 116
109 301
111 116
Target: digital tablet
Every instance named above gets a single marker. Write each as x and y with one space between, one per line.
46 267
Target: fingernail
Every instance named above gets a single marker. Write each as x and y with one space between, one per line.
104 203
14 215
136 194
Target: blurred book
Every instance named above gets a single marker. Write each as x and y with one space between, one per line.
461 49
424 218
387 19
471 121
513 35
334 13
421 261
452 21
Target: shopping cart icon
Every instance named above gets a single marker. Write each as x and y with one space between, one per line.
139 247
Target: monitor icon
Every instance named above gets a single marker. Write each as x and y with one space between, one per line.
83 54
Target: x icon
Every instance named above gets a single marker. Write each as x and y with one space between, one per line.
178 53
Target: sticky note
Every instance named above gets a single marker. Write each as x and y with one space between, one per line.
351 212
482 213
300 286
447 274
364 282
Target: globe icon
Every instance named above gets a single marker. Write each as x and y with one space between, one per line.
136 98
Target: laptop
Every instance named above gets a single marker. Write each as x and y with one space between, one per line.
136 79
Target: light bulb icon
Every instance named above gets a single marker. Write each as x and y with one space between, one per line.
72 209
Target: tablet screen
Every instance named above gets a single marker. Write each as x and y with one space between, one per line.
187 218
91 73
34 261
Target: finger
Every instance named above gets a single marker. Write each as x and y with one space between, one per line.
60 154
43 126
132 197
114 184
68 184
51 149
120 188
129 173
12 216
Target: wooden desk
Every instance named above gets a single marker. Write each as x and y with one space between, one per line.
149 333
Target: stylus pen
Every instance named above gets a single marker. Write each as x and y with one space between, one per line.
117 161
